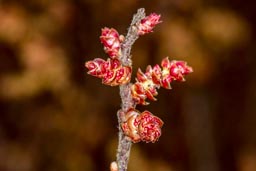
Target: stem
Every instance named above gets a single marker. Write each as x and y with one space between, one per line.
131 37
124 143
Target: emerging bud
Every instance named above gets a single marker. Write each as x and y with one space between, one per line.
166 77
183 67
149 127
148 23
116 74
173 70
111 42
155 73
139 94
130 126
95 67
142 126
111 71
147 83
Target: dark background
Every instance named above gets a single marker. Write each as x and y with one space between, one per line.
55 117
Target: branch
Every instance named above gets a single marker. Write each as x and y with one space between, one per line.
124 143
131 37
134 126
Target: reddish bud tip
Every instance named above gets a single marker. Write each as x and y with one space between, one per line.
95 67
173 71
149 127
148 23
111 71
111 42
142 126
146 85
130 126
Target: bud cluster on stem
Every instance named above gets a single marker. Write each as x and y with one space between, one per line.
142 126
154 78
112 42
134 126
111 71
148 23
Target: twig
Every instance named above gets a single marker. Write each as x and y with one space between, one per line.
131 37
134 126
124 143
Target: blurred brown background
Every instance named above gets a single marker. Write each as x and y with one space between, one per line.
55 117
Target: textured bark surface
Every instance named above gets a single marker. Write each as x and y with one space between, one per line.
124 144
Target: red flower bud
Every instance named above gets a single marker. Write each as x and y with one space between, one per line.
139 94
155 73
96 67
123 75
183 67
147 83
118 76
149 127
142 126
111 71
111 41
130 126
174 70
148 23
166 77
145 86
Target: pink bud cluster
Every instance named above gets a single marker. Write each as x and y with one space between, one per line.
111 71
111 42
147 83
148 23
136 125
142 126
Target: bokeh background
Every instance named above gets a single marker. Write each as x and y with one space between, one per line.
55 117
